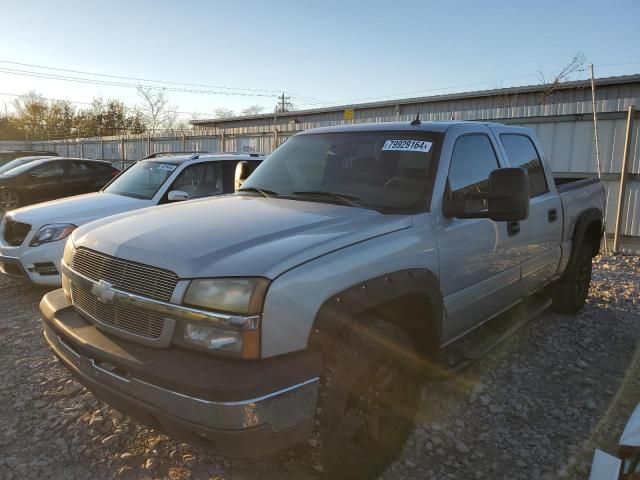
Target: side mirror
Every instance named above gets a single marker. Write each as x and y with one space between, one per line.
507 198
177 196
508 194
242 173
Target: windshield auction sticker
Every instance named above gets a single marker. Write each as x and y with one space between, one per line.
407 145
167 166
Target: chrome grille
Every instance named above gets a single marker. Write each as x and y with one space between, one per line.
128 319
15 232
151 282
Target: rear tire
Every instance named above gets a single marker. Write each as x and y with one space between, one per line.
9 199
570 292
369 397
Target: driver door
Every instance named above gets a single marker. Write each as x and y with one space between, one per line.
480 270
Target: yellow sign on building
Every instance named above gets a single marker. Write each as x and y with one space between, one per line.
348 114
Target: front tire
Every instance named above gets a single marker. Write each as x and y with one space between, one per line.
9 199
369 397
570 292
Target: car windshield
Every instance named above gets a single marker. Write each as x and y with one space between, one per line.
142 180
383 170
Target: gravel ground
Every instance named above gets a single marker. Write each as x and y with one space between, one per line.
533 408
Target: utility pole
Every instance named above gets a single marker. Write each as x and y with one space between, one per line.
283 102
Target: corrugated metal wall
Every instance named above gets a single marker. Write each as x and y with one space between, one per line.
563 123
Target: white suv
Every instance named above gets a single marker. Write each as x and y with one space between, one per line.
32 238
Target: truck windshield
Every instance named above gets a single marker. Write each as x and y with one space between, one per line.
142 180
390 171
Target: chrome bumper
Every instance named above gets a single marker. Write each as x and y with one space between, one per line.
281 410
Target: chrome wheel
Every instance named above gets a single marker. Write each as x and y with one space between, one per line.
8 200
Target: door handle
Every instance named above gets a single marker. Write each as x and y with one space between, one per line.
552 215
513 228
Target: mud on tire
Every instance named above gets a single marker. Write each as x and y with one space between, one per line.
570 292
369 396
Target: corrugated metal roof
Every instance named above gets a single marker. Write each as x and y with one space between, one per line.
581 87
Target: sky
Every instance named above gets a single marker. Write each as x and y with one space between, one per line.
319 53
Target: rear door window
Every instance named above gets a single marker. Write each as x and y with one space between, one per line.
79 169
522 153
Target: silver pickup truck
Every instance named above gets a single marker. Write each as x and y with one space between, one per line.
318 294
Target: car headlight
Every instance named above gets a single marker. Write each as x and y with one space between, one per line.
235 295
52 233
238 331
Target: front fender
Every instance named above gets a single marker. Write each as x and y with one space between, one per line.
296 298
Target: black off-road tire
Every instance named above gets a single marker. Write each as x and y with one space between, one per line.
571 291
9 199
369 396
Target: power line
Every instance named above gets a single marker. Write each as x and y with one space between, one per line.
306 99
51 76
166 82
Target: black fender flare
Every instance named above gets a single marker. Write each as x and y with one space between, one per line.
418 290
585 220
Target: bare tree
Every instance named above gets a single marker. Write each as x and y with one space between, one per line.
576 64
252 110
156 112
224 113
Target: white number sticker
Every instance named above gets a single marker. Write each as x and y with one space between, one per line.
407 145
167 167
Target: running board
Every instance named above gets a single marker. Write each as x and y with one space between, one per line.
480 342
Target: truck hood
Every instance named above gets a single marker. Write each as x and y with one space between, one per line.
77 210
235 235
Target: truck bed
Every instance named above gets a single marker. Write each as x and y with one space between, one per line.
577 194
571 183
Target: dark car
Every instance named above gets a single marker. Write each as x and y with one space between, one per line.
7 155
51 178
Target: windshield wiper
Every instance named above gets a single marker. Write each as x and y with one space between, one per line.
261 191
346 199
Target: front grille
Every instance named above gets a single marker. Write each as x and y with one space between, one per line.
144 280
128 319
15 232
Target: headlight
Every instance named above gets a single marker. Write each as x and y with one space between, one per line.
236 295
52 233
240 343
238 333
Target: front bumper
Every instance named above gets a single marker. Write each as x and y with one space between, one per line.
23 261
236 408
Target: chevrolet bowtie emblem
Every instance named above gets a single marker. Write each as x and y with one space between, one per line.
103 291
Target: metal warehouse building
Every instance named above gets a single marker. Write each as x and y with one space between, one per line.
561 116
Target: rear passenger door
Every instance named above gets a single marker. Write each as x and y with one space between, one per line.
480 270
538 242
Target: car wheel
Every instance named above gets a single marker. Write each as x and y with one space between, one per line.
570 292
369 396
9 199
